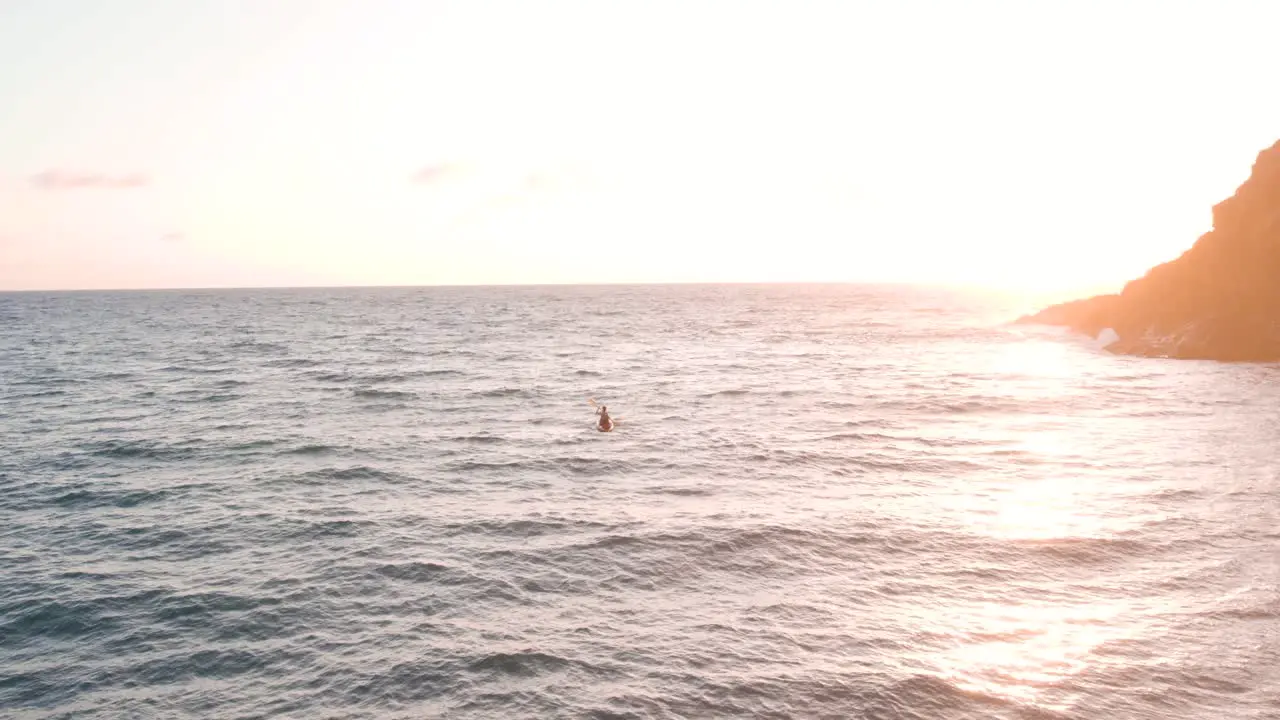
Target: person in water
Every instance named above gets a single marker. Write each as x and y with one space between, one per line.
606 422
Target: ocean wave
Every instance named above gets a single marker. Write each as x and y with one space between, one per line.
375 394
522 664
330 376
292 362
561 465
34 395
174 541
930 696
681 491
253 444
846 464
312 449
724 393
506 392
1085 551
45 381
254 345
138 449
839 524
355 472
216 398
116 375
29 620
322 529
395 377
859 437
678 558
523 527
480 439
966 407
196 369
1261 611
204 665
418 572
114 498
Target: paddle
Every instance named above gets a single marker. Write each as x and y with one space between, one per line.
595 404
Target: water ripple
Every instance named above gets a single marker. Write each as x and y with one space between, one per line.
818 502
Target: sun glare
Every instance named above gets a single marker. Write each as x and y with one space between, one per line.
1020 651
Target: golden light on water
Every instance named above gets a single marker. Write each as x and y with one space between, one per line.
1022 646
1028 648
1050 506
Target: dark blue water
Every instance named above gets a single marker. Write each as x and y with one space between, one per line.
833 502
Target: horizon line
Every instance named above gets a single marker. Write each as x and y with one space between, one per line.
677 283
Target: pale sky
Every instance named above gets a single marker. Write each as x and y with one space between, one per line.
210 143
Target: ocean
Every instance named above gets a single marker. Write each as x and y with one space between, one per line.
819 502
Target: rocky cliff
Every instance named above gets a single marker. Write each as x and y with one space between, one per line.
1219 301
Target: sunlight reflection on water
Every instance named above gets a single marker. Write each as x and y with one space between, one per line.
819 502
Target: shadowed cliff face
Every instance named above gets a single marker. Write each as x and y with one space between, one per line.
1219 301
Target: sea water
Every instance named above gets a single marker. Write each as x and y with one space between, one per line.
819 501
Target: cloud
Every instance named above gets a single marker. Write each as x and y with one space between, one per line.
433 174
174 237
62 180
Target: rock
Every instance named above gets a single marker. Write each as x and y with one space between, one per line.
1220 300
